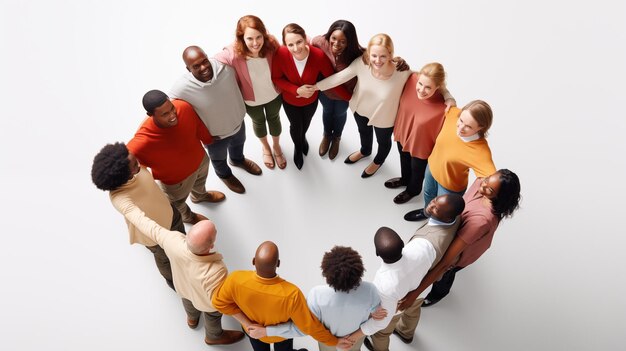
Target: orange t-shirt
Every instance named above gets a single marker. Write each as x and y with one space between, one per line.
172 153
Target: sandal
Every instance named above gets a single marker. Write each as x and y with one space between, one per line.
280 160
268 160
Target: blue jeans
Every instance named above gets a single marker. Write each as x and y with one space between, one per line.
220 149
334 115
432 188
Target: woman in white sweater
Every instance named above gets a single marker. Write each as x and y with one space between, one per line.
375 98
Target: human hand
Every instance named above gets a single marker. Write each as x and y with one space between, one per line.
306 91
449 103
345 343
407 300
379 313
401 64
256 331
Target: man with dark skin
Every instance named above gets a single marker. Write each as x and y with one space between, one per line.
211 88
261 297
404 266
168 142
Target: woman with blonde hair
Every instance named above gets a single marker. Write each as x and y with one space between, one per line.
251 56
374 100
419 120
460 146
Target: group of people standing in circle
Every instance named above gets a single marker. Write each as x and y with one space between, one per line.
438 143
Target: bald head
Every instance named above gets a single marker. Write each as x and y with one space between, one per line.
388 245
201 238
266 259
198 63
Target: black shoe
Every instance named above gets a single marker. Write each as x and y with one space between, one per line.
298 160
404 340
403 197
415 215
428 302
368 344
394 183
349 161
367 175
305 147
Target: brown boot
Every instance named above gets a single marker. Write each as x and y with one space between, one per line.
334 148
234 184
324 145
227 337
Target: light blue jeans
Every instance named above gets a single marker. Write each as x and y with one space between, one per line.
432 188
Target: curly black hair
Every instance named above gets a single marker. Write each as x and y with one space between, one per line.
508 198
110 168
343 268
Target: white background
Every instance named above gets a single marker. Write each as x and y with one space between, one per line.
72 74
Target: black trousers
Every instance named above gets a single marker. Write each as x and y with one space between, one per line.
299 121
258 345
412 170
366 133
442 287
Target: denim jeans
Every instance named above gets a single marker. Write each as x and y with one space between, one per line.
220 149
334 115
432 188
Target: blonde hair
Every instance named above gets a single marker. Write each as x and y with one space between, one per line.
435 72
481 112
381 39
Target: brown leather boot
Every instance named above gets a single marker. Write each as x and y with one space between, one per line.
324 145
334 148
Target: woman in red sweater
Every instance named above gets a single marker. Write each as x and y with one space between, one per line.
295 67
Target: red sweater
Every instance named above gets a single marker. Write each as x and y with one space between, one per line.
172 153
286 78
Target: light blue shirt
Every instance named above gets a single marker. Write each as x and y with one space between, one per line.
340 312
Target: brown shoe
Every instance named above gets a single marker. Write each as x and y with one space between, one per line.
324 145
196 217
193 324
234 184
248 165
334 148
227 337
210 196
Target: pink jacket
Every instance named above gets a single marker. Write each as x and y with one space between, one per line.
228 56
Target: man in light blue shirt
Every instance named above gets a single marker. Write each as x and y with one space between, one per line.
342 305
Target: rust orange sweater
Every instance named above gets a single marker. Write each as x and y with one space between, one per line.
172 153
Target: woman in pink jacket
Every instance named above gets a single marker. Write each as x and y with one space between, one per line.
251 56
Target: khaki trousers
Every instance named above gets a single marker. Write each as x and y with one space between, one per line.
194 184
355 347
404 323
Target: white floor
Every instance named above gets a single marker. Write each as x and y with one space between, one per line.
72 77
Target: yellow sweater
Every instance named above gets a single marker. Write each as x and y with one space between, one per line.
452 157
268 302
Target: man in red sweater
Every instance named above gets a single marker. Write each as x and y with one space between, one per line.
170 141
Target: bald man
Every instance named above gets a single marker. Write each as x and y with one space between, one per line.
404 266
197 270
211 88
263 298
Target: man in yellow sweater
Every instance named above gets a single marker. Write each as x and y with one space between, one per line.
263 298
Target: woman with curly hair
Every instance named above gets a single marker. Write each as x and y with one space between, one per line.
487 202
251 56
